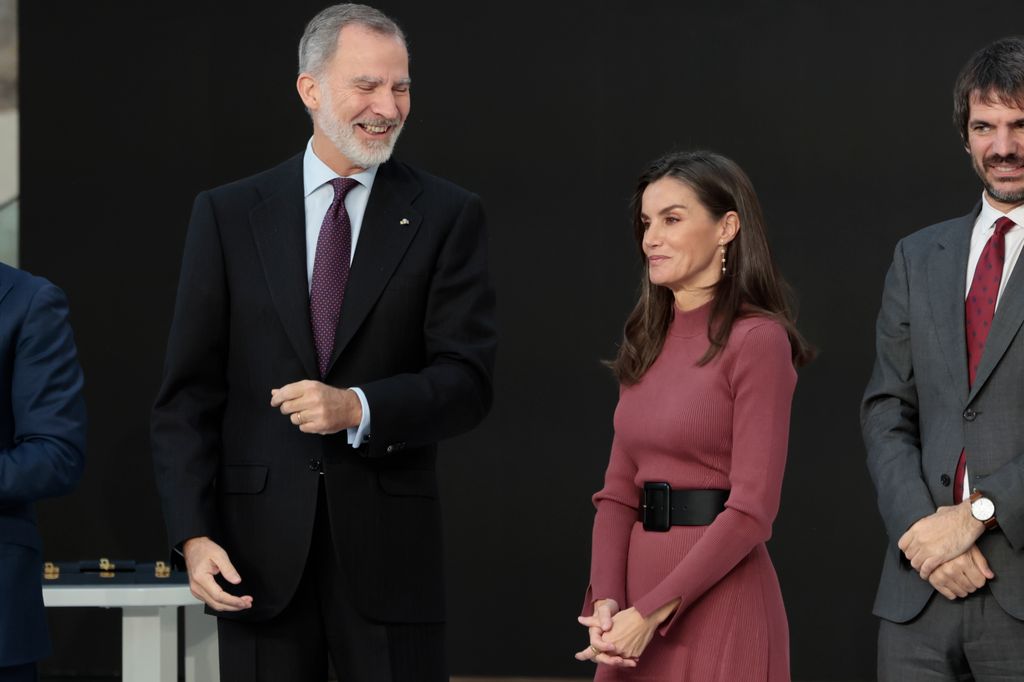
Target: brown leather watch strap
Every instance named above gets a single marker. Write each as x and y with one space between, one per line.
992 521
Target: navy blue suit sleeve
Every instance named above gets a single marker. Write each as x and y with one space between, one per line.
48 454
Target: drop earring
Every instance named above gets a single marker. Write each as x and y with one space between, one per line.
721 247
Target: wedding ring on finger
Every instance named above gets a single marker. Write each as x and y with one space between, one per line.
595 650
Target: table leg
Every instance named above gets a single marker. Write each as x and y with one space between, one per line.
149 644
202 661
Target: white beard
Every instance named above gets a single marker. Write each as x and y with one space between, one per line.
362 153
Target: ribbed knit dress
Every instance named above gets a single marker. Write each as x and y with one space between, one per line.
724 425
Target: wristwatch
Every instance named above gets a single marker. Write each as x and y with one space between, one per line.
983 509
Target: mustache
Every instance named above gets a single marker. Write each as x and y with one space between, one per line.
999 159
386 122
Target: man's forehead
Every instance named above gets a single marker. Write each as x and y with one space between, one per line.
357 36
365 53
997 99
379 80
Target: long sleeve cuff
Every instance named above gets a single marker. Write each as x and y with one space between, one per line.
357 435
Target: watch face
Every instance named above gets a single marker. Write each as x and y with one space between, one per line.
983 509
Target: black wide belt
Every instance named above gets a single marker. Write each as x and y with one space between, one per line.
661 507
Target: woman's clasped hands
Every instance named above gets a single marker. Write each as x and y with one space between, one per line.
617 638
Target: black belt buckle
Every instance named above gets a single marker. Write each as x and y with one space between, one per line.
656 511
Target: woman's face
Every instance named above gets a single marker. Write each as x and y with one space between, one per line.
682 239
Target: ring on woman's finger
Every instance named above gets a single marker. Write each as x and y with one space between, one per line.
298 415
595 650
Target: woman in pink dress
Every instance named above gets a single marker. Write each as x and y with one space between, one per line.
681 584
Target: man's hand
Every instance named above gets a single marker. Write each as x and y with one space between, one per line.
316 407
937 538
205 559
600 651
962 575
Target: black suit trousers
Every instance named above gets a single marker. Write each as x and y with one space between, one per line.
321 619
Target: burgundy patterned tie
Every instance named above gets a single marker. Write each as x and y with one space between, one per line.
979 309
330 272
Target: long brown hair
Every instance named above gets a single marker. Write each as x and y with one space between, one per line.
752 284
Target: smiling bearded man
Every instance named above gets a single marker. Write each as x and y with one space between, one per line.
308 381
943 414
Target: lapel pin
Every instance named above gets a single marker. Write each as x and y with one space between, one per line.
403 221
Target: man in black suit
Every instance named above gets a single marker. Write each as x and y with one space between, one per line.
334 321
42 452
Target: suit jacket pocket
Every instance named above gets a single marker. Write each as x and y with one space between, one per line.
408 482
243 479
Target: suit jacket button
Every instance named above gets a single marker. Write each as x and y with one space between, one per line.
314 465
970 415
389 449
944 480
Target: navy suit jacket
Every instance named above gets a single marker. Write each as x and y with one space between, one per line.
42 446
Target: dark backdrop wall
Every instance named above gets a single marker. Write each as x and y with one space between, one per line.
840 114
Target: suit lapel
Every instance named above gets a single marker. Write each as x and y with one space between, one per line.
947 277
6 281
1005 325
279 228
388 228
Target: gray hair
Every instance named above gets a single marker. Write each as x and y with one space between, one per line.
320 39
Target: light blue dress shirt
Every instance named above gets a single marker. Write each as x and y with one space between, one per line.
319 195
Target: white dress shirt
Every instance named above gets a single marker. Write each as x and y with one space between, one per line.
319 194
984 226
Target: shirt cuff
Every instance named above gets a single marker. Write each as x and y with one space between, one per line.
357 435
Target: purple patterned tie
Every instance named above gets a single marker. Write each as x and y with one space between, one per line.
330 272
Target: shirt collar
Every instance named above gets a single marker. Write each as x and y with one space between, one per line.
315 172
988 216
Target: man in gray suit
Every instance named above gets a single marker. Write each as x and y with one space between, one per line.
943 414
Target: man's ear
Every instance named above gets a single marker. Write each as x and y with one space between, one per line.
309 91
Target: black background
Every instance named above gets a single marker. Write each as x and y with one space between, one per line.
840 113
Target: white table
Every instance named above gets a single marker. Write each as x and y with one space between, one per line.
149 628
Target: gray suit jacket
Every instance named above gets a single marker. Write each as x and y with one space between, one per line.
918 412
